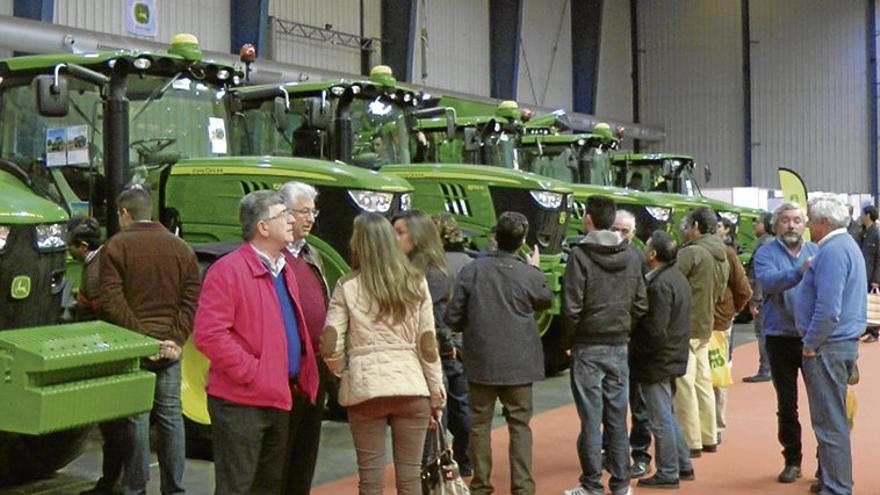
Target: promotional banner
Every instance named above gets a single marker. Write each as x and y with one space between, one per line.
793 190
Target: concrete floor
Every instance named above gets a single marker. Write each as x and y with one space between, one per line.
336 456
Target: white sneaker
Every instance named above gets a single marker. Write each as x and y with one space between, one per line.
578 490
627 492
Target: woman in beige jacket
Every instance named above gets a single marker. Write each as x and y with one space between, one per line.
379 337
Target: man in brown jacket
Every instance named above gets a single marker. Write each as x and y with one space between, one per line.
733 299
150 285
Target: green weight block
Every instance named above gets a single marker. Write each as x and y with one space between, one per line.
63 376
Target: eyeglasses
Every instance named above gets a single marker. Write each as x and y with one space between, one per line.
306 211
284 213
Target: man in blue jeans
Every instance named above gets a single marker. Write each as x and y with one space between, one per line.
603 293
659 354
830 314
150 284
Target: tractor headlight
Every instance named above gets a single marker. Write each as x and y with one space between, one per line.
4 235
372 201
547 199
406 201
730 216
659 213
50 236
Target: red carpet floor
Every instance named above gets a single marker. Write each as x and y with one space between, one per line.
747 461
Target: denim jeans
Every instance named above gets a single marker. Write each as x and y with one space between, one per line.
825 376
763 360
171 448
600 386
639 431
671 453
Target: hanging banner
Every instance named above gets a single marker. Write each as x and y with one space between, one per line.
140 17
793 191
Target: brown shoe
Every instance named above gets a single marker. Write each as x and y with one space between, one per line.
696 453
711 449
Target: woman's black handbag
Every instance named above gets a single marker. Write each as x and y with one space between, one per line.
440 475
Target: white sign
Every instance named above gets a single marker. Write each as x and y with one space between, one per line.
140 17
217 135
67 146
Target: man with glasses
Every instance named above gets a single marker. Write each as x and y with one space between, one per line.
305 416
779 266
250 323
639 433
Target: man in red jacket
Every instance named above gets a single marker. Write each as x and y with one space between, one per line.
250 324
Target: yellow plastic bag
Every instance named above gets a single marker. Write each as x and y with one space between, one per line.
721 376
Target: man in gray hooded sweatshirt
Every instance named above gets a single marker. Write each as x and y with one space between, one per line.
603 294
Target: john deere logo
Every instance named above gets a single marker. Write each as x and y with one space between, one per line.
141 13
21 287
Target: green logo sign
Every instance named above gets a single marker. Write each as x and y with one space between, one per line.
21 287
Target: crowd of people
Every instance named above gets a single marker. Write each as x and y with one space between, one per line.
424 334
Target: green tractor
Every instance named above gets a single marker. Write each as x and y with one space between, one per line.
370 123
672 176
58 378
168 120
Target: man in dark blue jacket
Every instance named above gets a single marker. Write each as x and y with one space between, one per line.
779 266
603 293
830 313
659 354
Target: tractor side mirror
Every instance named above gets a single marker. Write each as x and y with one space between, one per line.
279 110
53 96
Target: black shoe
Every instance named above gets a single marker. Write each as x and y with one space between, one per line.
815 487
686 475
638 469
710 448
757 378
789 474
696 453
655 482
100 490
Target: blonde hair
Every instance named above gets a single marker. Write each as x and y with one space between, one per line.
389 279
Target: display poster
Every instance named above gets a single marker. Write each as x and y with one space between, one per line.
56 147
217 135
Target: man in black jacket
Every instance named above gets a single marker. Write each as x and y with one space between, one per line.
870 243
493 306
603 293
659 354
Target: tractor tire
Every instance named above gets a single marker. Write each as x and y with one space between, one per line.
26 457
555 359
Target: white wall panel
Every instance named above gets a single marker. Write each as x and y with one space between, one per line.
545 55
5 9
458 45
809 93
207 19
614 93
342 15
691 81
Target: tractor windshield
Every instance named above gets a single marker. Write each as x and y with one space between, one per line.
379 132
575 162
169 118
670 175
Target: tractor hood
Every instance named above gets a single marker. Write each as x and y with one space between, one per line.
491 176
317 172
19 205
